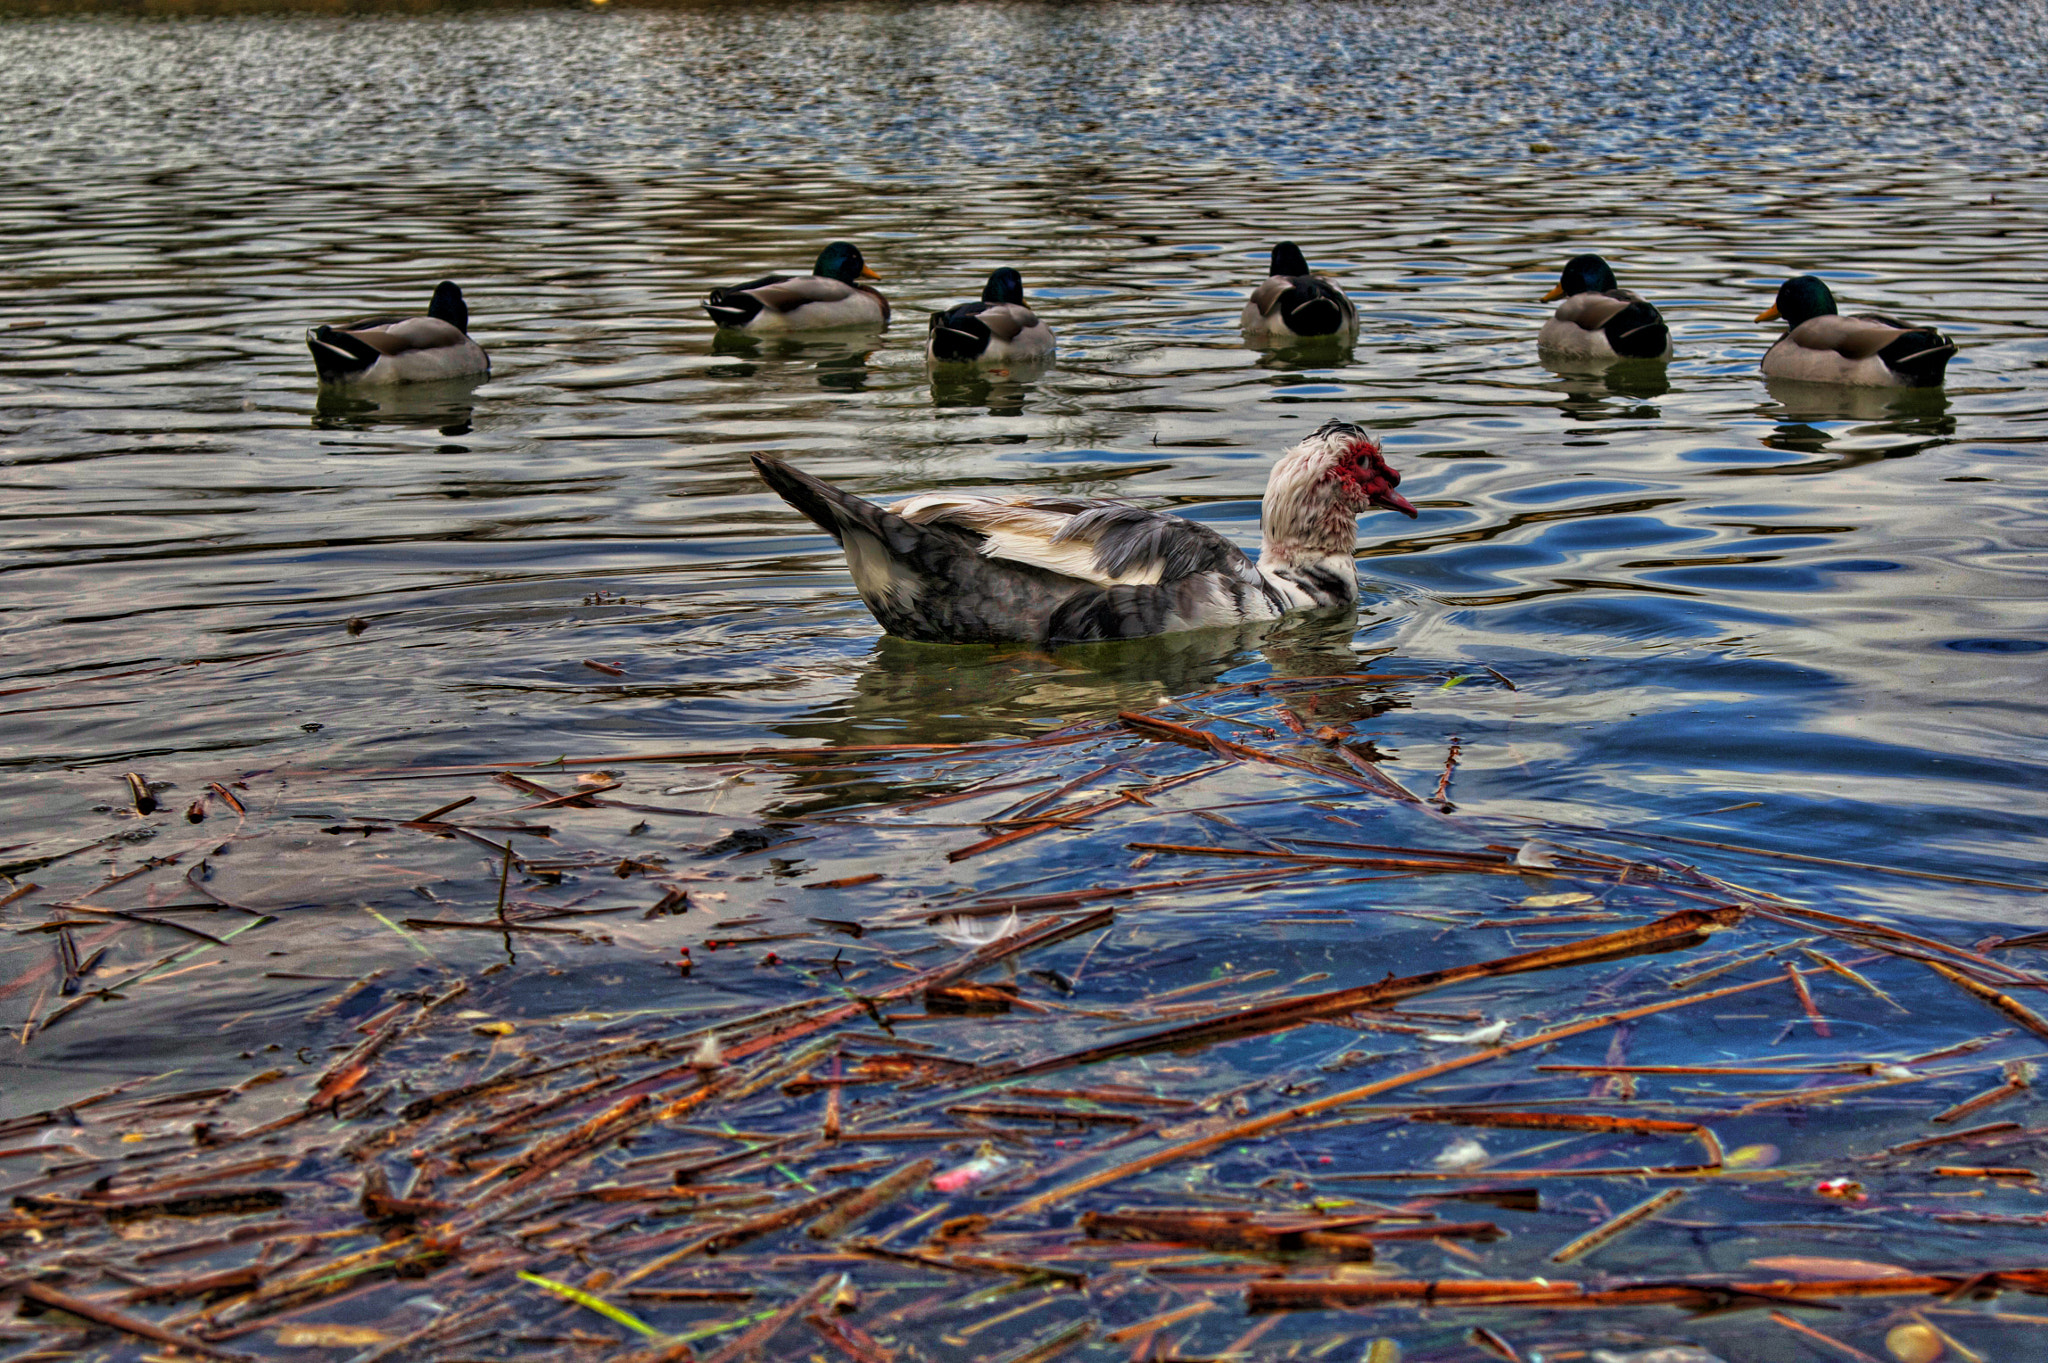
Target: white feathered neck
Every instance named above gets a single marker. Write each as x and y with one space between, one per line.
1316 492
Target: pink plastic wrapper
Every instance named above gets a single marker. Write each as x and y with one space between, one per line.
985 1165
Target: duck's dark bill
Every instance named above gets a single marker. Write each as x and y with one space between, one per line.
1394 501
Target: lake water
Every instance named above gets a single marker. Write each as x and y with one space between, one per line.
1807 620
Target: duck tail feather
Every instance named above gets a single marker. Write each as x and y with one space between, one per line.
338 355
1920 355
1638 332
732 307
1310 310
925 582
958 335
829 508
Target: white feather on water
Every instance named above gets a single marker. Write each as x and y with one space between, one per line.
966 930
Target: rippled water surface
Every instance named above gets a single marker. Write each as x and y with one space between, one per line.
1812 620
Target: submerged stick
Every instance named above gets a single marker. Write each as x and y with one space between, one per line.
2004 1003
850 1340
1684 928
870 1200
1000 840
1806 1003
1825 861
2019 1077
1038 935
1574 1121
1827 1342
1368 777
1258 1126
1284 1294
760 1334
108 1317
1616 1225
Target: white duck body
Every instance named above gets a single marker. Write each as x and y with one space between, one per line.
1296 303
999 329
947 568
389 350
831 298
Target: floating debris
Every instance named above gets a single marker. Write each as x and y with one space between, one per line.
1097 1040
963 931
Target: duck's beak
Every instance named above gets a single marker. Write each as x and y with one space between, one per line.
868 272
1769 314
1556 292
1394 501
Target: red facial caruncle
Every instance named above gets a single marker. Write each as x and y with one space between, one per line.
1368 479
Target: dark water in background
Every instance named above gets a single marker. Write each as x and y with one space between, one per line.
1825 606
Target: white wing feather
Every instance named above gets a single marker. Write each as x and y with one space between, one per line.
1020 532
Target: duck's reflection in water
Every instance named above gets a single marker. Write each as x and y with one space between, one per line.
839 358
1888 423
1792 400
1300 354
447 407
1601 389
1003 390
961 693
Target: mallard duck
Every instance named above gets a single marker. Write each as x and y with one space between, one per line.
829 296
1600 320
947 568
1866 349
1294 302
997 329
402 349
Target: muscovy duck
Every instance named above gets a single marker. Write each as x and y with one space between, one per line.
948 568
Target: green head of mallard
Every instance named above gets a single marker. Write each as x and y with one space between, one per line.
448 306
1288 261
842 261
1004 286
1582 274
1801 300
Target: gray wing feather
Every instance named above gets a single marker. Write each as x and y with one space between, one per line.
1853 338
1008 321
1127 538
1267 296
413 333
926 581
792 294
1594 310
